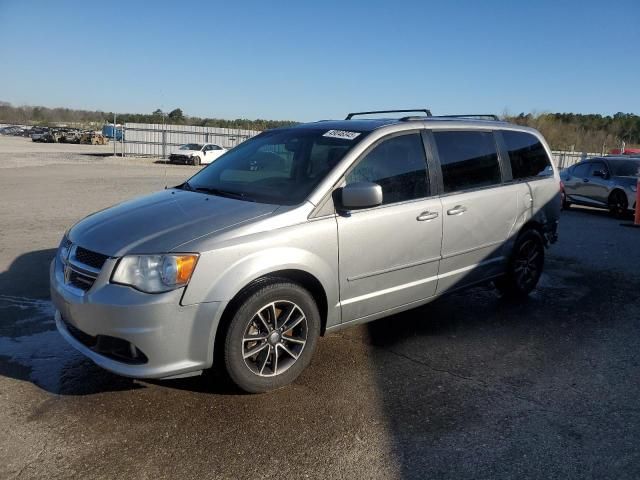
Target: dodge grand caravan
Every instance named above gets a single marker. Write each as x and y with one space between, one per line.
301 231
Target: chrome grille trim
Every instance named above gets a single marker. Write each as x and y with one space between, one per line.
78 275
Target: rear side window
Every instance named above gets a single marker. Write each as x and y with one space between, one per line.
527 155
468 159
597 167
398 165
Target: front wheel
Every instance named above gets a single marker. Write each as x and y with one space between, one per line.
271 337
525 266
195 160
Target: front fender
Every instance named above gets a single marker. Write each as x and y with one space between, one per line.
210 284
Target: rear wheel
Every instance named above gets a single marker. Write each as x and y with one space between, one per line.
524 267
618 203
271 337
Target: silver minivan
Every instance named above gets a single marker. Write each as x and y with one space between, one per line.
302 231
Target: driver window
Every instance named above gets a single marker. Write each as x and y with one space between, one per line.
597 167
398 165
581 170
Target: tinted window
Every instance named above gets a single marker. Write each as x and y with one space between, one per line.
581 170
468 160
625 168
398 165
527 155
597 166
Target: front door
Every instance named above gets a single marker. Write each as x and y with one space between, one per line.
575 184
389 254
596 184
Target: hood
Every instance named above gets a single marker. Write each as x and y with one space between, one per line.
188 153
162 221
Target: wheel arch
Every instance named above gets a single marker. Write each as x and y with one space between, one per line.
532 224
616 190
300 277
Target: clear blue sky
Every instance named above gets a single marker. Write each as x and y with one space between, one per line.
306 60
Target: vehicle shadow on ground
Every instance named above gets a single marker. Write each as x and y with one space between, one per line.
473 370
31 349
596 212
167 162
101 154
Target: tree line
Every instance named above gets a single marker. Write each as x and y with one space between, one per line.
45 116
591 133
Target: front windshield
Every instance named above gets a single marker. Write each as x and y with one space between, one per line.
191 146
625 168
279 166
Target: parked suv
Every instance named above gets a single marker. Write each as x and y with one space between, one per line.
301 231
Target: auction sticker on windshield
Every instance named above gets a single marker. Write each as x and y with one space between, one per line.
341 134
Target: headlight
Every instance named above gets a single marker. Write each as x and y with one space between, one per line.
634 188
155 273
64 248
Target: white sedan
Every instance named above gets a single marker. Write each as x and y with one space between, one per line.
197 153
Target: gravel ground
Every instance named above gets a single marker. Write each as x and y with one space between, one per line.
469 386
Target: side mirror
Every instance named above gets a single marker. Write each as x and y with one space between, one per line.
361 195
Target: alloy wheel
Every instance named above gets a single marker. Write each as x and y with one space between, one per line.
618 204
274 338
527 266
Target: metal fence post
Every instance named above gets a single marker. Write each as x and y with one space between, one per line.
113 132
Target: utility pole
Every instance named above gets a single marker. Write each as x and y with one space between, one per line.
164 137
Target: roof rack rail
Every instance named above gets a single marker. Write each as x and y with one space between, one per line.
489 116
426 111
413 117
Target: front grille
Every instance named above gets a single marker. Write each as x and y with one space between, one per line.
92 259
79 280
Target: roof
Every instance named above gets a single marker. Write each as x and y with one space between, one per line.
367 125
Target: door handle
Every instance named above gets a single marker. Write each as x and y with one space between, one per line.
585 180
427 216
457 210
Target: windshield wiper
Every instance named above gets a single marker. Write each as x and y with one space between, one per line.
184 186
223 193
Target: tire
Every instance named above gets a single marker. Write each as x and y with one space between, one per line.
618 204
524 267
195 161
279 354
566 204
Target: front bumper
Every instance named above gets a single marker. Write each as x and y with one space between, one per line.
180 159
174 340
